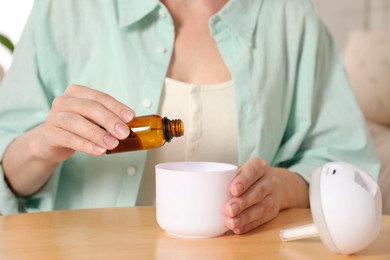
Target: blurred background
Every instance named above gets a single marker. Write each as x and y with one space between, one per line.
13 16
344 16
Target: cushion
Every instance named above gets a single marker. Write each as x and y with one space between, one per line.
367 61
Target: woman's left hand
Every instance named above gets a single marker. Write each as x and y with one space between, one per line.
259 192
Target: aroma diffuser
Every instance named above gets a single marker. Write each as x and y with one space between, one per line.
346 206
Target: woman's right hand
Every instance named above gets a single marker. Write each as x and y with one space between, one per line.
86 120
82 119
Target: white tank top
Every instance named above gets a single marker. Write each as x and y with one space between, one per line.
210 129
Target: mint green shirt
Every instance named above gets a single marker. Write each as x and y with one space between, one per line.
294 105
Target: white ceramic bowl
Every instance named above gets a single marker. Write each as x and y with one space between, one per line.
191 196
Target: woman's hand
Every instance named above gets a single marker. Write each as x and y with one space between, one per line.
84 120
260 192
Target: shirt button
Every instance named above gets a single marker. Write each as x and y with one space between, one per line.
131 171
161 50
147 103
162 13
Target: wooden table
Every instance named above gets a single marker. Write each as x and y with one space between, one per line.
132 233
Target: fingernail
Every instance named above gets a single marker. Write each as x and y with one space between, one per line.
122 130
230 223
234 209
98 150
238 231
110 141
234 223
126 115
238 189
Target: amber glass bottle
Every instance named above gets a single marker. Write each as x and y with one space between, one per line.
148 132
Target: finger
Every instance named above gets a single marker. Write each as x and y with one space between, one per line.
63 138
254 216
94 111
255 194
247 175
120 109
84 129
249 227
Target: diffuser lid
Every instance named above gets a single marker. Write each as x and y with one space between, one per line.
346 207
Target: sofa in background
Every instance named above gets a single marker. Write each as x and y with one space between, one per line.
367 61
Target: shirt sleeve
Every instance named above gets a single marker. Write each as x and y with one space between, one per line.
8 201
24 104
325 122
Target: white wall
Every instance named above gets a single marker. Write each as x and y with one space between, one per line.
342 16
13 16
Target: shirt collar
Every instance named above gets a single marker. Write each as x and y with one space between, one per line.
132 11
239 15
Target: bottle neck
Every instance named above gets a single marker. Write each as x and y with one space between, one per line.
168 137
172 128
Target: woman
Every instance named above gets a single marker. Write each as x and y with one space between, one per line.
257 83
